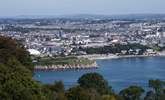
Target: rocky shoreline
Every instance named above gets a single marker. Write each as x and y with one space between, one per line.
89 66
65 67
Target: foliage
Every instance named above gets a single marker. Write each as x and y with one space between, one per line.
16 68
108 97
64 61
158 94
61 96
55 91
11 48
95 81
157 85
117 48
156 48
56 87
79 93
132 93
16 83
150 96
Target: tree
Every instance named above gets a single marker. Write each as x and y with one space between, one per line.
158 93
150 96
95 81
12 48
79 93
93 94
55 91
56 87
108 97
16 68
132 93
61 96
157 85
16 83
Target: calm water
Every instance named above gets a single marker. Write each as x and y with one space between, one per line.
120 73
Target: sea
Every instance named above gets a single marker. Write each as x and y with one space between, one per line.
120 73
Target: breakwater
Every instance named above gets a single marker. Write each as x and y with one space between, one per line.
66 67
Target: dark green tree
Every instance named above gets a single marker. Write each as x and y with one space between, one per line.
157 85
12 48
150 96
79 93
157 93
16 83
55 91
132 93
56 87
108 97
95 81
16 68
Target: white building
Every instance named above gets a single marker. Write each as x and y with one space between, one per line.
34 52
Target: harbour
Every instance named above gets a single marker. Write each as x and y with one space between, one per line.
120 73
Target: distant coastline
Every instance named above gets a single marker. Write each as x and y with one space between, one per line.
113 56
94 57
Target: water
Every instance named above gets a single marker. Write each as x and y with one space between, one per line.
120 73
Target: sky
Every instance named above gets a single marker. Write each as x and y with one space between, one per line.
71 7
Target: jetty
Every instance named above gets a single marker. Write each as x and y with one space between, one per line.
65 63
65 67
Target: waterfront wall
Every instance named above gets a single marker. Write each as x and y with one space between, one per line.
66 67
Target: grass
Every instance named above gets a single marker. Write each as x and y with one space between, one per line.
63 61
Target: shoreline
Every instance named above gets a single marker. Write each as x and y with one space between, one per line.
113 56
90 66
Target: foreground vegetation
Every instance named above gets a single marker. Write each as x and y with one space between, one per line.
16 82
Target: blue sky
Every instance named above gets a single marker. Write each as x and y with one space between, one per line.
69 7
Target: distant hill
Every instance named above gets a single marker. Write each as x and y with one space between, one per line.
92 16
127 16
